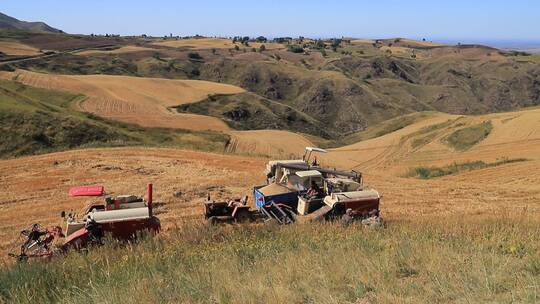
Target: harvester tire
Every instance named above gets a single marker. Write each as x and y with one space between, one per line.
243 217
212 221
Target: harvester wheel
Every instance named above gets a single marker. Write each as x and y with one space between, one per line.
243 216
346 220
212 220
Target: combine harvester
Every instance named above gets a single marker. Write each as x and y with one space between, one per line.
297 191
122 218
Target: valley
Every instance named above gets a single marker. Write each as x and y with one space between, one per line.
448 134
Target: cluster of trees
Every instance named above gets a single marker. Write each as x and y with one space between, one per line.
194 56
243 40
246 39
106 35
282 40
295 48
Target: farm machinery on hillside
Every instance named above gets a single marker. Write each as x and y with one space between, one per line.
295 191
300 191
122 218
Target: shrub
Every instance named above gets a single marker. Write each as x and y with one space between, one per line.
194 56
466 138
295 48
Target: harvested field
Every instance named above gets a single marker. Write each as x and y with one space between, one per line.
35 188
17 49
274 143
144 101
217 43
469 52
362 41
416 43
514 135
181 178
121 50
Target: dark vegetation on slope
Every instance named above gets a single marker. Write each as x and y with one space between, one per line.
34 121
466 138
431 172
248 111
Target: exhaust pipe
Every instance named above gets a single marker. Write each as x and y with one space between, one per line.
149 199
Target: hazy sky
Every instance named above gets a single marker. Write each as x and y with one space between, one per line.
460 20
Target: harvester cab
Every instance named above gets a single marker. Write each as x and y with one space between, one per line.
271 170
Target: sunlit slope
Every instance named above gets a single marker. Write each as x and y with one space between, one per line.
139 100
17 49
443 138
213 43
274 143
121 50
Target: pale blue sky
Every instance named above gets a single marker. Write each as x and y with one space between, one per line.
457 20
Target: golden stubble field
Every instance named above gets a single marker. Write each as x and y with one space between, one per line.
213 43
139 100
121 50
35 188
17 49
147 102
513 135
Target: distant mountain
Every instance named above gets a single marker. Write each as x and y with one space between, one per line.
7 22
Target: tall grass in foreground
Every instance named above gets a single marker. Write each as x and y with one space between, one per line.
471 260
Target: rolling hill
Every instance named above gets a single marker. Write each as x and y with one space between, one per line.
126 111
321 92
7 22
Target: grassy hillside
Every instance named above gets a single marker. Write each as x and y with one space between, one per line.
465 138
249 111
345 90
488 259
35 120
